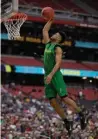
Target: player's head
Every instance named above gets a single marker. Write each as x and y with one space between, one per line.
59 37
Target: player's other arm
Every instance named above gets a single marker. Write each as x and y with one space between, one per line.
46 31
58 59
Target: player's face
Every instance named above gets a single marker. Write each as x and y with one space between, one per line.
56 37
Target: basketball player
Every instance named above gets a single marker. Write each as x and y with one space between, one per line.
54 83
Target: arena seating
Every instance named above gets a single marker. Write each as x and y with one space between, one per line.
89 94
69 5
38 92
56 4
39 3
22 116
33 62
93 4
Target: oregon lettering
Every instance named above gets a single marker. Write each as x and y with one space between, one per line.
48 51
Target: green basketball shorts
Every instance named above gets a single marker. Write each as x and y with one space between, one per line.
57 86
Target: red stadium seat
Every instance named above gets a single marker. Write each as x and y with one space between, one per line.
69 5
57 5
89 93
33 62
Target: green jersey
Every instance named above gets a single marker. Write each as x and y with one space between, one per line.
49 57
57 84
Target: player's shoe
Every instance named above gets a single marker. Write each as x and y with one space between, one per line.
68 126
83 121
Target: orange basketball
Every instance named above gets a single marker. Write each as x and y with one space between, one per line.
47 13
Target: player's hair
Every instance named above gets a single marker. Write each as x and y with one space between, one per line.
63 36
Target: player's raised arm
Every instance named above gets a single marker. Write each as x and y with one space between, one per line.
46 31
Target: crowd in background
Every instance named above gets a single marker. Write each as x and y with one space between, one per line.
24 117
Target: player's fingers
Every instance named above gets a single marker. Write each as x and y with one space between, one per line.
47 81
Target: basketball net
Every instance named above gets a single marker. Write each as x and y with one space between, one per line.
14 24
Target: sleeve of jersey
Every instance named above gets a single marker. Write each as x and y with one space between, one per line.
57 46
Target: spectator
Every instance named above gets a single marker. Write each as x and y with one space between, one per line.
29 119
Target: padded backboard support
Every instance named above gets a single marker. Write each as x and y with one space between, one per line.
8 8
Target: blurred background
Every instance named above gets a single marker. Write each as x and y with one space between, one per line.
25 111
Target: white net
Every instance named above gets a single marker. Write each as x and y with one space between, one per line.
13 25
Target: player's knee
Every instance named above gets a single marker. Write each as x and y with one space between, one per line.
64 98
52 102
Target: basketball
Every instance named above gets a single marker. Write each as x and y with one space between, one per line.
48 13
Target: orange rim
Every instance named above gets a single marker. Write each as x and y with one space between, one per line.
16 16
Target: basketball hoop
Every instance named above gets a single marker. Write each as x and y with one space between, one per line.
14 24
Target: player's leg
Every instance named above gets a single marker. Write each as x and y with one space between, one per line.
60 87
51 96
57 107
57 89
61 113
77 109
71 103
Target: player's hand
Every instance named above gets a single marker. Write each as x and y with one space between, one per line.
48 79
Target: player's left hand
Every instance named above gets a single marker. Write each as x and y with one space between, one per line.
48 79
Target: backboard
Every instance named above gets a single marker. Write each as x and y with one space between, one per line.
8 8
